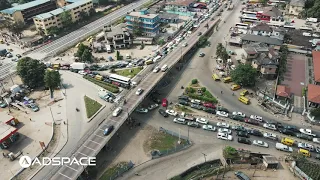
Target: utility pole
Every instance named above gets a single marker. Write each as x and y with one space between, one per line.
204 155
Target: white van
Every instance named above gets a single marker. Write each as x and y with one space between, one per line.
117 111
196 101
179 120
164 68
283 147
156 59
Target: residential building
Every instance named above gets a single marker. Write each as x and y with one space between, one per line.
313 95
118 38
249 38
266 66
269 13
149 24
296 7
283 92
263 29
8 135
180 7
52 19
316 66
25 12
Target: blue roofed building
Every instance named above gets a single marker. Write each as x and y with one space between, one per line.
25 12
50 19
149 24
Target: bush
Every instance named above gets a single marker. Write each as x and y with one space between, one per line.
190 90
201 98
194 81
110 87
203 89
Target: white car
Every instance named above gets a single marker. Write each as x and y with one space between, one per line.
209 127
224 136
202 121
171 112
222 113
257 118
260 143
180 121
316 140
185 44
306 146
139 91
270 136
269 126
117 111
153 106
82 72
223 125
224 130
239 114
307 132
156 69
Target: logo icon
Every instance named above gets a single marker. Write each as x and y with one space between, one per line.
25 161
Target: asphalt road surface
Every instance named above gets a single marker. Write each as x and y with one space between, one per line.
95 140
74 37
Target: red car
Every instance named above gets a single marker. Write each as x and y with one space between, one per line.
164 102
209 105
250 121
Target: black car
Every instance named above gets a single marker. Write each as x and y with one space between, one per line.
155 99
244 140
243 134
304 136
292 128
220 108
255 132
287 132
163 113
182 102
184 98
209 110
237 118
239 128
197 106
108 130
250 121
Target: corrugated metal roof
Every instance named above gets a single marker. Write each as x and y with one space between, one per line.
316 65
22 7
62 9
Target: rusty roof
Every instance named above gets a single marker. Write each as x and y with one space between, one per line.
181 2
316 65
283 91
314 93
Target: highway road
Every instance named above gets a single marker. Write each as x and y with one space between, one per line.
74 37
95 140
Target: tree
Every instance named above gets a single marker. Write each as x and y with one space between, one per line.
31 71
118 55
53 30
282 68
244 75
92 12
16 28
52 80
194 81
4 4
202 41
66 18
315 112
83 15
86 56
224 55
219 49
81 49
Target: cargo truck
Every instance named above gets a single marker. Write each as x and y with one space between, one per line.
78 66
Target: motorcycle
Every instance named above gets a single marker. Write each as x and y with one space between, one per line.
77 110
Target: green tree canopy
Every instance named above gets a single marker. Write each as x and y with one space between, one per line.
244 75
86 56
16 27
31 71
315 113
53 30
4 4
81 49
66 18
52 80
219 49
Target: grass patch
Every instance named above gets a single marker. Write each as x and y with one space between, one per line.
183 108
207 94
112 171
162 141
92 106
129 72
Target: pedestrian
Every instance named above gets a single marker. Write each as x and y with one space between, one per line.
3 155
64 122
30 119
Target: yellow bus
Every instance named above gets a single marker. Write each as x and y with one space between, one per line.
215 77
244 100
226 80
287 141
149 62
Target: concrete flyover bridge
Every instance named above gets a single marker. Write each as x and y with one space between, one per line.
76 36
94 141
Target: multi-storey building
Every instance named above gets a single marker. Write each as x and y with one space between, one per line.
52 19
118 38
148 24
25 12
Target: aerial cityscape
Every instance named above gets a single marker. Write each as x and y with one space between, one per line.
159 89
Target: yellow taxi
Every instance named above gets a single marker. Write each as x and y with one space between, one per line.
226 79
1 41
244 92
215 77
78 45
235 87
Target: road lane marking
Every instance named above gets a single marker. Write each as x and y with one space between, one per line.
94 142
83 154
88 148
71 168
65 175
103 137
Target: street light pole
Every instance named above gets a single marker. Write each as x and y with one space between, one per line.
204 155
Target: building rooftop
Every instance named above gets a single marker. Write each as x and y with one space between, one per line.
138 14
283 91
6 131
4 117
272 11
270 159
316 65
24 6
262 27
180 2
299 3
262 39
62 9
168 16
314 93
